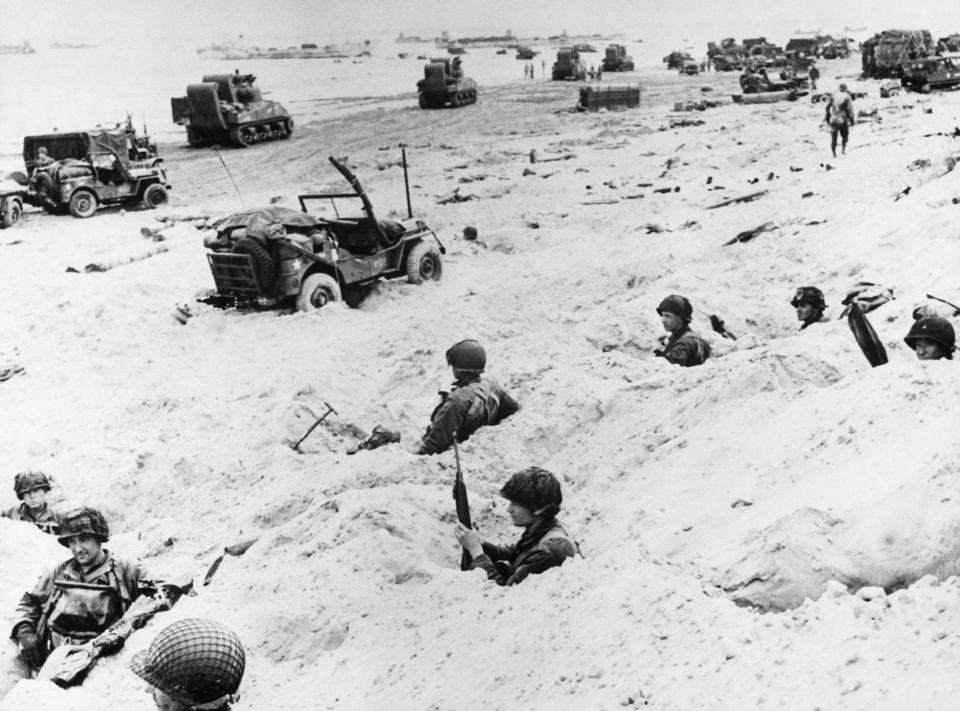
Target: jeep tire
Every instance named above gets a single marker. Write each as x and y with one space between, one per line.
263 263
83 203
424 263
154 196
316 291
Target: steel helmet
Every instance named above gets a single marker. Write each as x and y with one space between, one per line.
193 661
467 355
28 481
936 329
809 295
470 232
678 305
533 488
83 520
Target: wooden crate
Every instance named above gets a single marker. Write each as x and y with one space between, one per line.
609 96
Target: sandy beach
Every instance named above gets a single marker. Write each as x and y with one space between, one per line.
775 529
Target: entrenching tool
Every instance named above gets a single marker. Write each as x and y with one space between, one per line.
330 409
237 549
956 309
463 505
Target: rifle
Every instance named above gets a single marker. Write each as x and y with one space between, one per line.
68 665
463 505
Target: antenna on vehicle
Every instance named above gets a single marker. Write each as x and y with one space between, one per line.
230 175
406 180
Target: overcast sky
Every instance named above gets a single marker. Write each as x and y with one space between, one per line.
176 21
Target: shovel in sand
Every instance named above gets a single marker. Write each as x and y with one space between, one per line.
296 447
237 549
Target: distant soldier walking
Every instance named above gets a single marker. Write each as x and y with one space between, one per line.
475 401
840 118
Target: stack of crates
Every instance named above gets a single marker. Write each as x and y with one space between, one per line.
609 96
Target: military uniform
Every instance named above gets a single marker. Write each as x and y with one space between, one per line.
47 520
70 605
546 545
471 405
685 348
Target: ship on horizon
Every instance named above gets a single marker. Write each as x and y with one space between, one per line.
307 50
24 48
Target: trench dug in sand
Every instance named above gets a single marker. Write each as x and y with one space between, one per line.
701 497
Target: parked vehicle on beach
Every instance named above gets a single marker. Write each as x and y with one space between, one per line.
925 75
90 169
568 66
443 84
616 59
690 66
229 109
276 256
11 203
886 53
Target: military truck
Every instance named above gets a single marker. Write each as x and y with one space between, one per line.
443 84
276 256
616 59
228 109
90 169
568 66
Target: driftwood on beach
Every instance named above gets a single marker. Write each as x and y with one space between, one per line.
742 198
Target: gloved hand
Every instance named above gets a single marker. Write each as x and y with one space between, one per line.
31 649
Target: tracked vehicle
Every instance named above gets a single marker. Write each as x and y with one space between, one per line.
443 84
228 109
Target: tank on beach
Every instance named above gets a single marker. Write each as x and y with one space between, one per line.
229 109
443 84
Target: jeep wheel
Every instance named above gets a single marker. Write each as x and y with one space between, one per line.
154 196
424 264
263 263
316 291
83 203
14 214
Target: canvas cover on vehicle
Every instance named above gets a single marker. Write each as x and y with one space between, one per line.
291 219
77 145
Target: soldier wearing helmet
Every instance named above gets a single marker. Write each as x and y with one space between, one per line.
81 597
932 338
475 401
682 346
31 488
535 497
192 664
809 303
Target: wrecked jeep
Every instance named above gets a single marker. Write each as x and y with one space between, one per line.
86 169
276 256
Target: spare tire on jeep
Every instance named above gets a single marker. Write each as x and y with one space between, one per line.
263 264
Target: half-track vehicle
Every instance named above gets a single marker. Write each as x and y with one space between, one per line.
228 109
568 66
90 169
443 84
277 256
616 59
756 82
925 75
